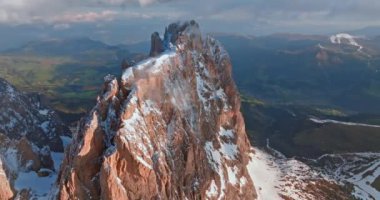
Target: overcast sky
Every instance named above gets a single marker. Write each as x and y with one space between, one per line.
135 19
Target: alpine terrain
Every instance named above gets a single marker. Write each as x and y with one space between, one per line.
32 140
171 127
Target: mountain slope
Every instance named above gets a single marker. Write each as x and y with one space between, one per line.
307 70
30 145
24 116
171 129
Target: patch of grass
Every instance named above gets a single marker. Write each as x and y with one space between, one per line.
331 112
337 138
70 85
29 72
290 131
252 100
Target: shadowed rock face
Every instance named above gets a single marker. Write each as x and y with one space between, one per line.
157 45
28 133
171 128
23 115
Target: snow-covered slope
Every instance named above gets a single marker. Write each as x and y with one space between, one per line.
344 38
277 177
357 169
23 115
331 176
28 133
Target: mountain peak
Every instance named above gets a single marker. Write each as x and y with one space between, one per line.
345 38
171 129
176 35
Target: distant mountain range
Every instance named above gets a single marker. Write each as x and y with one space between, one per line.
303 69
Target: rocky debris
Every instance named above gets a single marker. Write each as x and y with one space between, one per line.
171 128
21 156
23 115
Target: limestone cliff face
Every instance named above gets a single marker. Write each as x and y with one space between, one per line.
169 128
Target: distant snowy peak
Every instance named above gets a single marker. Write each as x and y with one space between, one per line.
345 38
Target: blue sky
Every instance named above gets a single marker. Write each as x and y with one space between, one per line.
132 20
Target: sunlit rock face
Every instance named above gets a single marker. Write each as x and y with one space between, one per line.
5 186
169 128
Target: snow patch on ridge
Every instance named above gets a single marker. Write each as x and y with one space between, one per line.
134 130
264 175
213 190
206 91
11 160
232 175
339 38
226 133
215 160
152 65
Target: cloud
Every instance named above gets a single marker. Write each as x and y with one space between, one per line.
68 18
221 15
61 26
69 11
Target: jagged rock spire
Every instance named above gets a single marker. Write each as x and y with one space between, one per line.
157 45
176 34
170 129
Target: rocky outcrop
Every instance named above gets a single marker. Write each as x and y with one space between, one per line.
157 45
170 128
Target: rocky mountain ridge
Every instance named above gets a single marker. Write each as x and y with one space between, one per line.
171 128
31 137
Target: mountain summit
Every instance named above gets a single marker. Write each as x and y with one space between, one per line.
169 128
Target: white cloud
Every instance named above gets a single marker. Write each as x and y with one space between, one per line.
68 18
275 13
61 26
67 11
